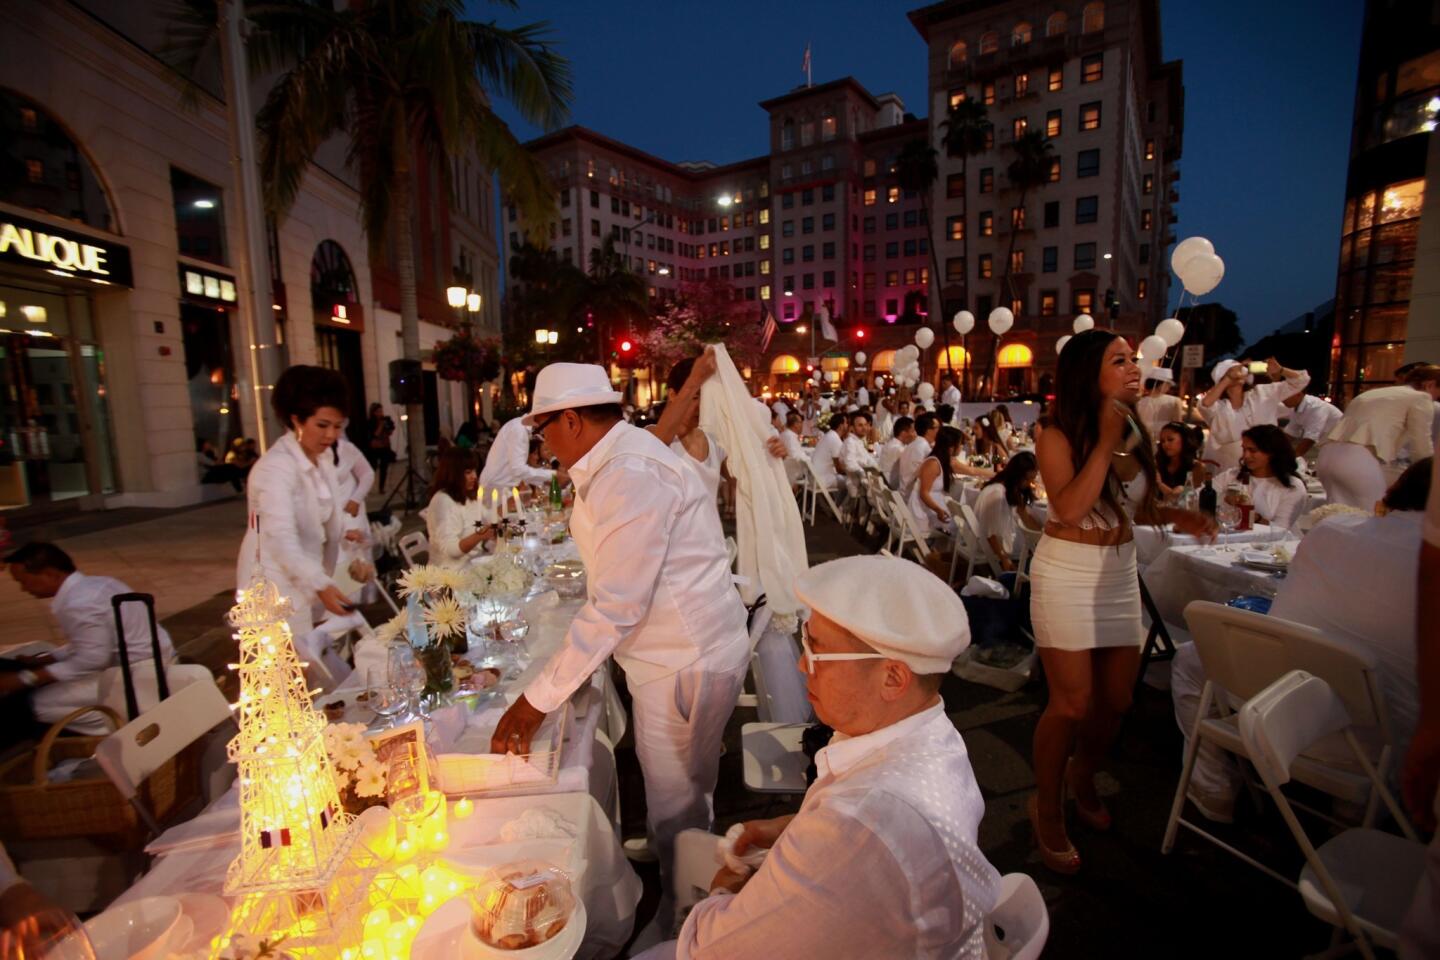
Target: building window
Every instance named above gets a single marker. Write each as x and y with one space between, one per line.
807 281
1049 303
1052 213
1149 149
565 227
1147 184
892 195
1087 209
987 179
829 127
1017 261
1092 68
987 266
1090 116
35 171
870 197
807 133
199 217
892 250
954 186
988 139
1092 18
892 278
1084 301
785 173
1052 123
892 308
1147 219
910 277
594 228
1088 164
987 224
565 197
807 198
787 229
787 256
1018 127
1142 287
869 168
1057 24
807 253
957 97
1022 84
807 224
764 241
789 311
987 94
957 56
1057 79
1054 174
1017 218
955 270
764 216
765 268
1049 259
892 221
955 228
595 199
1144 253
869 252
912 218
989 42
827 221
869 224
910 248
1084 256
1021 34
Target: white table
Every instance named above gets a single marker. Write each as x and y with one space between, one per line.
1185 573
1151 542
602 876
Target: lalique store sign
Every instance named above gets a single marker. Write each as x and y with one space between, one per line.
34 244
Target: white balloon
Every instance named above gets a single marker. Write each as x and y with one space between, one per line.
1186 250
907 353
924 337
964 322
1001 319
819 376
1170 330
860 358
879 383
1203 273
926 391
1060 344
1083 322
1153 348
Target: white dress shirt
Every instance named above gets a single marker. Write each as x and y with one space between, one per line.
889 460
862 396
1312 419
909 466
1261 404
1388 420
881 861
827 450
82 609
446 524
1280 505
951 395
854 455
1354 578
507 464
659 594
996 517
794 449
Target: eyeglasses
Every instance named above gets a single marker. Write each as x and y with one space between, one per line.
811 657
542 427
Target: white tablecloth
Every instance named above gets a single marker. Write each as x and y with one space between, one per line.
1185 573
1151 542
606 882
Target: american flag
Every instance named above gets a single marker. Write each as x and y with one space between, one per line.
805 64
768 330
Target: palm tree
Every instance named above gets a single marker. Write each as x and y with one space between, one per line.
402 80
1030 169
916 170
963 134
614 293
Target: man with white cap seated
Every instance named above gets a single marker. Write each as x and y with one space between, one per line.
659 597
1158 407
882 859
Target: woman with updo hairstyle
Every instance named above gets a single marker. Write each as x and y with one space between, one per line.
1098 465
293 497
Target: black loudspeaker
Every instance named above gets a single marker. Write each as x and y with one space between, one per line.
406 384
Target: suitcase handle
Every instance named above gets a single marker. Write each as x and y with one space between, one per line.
132 705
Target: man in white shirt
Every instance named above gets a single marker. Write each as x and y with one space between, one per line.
1158 407
790 436
1311 419
889 458
660 598
855 456
69 677
927 427
862 396
949 393
883 858
828 456
507 464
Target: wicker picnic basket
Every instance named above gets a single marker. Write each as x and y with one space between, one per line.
33 808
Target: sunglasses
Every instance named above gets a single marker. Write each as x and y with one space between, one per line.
812 657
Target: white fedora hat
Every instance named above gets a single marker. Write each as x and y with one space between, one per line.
564 386
1164 374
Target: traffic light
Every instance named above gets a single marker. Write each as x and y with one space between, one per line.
859 333
625 351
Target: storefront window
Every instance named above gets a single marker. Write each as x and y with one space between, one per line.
42 168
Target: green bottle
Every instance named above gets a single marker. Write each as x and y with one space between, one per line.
556 502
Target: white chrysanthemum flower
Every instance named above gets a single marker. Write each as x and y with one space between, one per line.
391 629
445 618
345 757
370 780
452 580
418 580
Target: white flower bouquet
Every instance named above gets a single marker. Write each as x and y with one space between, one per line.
359 774
497 577
1312 519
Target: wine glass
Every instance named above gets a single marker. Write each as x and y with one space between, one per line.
407 677
1227 515
51 933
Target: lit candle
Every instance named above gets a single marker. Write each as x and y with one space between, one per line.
516 492
463 808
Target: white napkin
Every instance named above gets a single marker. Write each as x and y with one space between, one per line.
537 823
216 826
985 587
743 864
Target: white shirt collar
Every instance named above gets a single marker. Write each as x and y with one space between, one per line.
844 752
594 458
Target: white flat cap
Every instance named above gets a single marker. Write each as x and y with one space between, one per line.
1220 369
901 609
1160 373
564 386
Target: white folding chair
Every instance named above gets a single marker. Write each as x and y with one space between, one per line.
818 492
908 528
772 759
1361 880
1019 924
135 751
1029 540
695 867
1245 652
967 546
412 545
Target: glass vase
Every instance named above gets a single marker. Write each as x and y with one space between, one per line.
439 672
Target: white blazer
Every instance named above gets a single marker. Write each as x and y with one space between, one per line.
1387 420
301 524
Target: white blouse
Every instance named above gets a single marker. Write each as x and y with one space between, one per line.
1280 505
446 524
708 470
996 518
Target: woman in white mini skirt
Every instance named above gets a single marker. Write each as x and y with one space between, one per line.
1098 465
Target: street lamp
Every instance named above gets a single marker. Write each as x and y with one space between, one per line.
456 296
542 336
472 303
554 337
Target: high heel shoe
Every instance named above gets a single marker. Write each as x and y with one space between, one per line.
1065 861
1096 818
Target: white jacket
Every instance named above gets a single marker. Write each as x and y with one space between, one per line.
1387 420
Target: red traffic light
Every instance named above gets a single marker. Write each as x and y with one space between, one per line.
626 346
859 333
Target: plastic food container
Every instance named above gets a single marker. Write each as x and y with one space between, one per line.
525 909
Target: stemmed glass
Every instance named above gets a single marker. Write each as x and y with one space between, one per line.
407 678
51 933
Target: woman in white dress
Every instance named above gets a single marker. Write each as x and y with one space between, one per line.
1270 474
455 516
293 497
1234 405
1012 490
932 483
1085 596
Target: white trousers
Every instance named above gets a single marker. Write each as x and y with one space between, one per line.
1350 475
679 726
1215 774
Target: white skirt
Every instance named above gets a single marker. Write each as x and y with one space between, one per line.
1084 596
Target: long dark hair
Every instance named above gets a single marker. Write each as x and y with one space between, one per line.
1189 452
947 445
1077 415
1273 442
450 474
1018 493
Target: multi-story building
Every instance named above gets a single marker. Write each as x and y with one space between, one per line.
122 312
1387 312
824 219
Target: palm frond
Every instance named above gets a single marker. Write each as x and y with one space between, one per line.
522 66
523 179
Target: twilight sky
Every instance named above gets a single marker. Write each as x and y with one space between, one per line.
1269 92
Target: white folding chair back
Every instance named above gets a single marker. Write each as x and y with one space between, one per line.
986 553
967 545
412 545
1019 925
818 492
695 867
111 690
1362 879
772 759
135 751
1029 540
907 527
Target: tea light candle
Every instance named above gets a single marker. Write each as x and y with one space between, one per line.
463 808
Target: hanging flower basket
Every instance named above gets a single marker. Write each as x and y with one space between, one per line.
464 358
